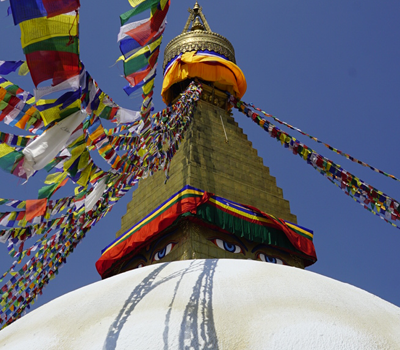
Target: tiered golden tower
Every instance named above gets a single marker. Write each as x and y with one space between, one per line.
215 157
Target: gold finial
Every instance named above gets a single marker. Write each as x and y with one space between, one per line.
197 35
195 13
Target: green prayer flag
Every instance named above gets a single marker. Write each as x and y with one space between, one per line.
47 191
138 9
135 64
9 161
61 43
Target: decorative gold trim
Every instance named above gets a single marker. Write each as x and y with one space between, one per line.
198 40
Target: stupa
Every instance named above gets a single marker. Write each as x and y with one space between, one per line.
216 173
198 237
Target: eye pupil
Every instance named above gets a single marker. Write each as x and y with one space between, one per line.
270 259
161 253
229 247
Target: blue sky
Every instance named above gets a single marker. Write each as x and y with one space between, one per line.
330 68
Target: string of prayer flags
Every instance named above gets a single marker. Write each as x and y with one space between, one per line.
68 128
388 215
16 91
14 140
333 149
153 144
16 112
375 201
139 44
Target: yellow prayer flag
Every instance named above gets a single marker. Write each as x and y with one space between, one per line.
80 139
142 152
12 215
22 222
155 44
5 84
306 153
42 28
75 153
151 47
101 104
55 178
42 102
148 87
31 101
84 160
23 69
163 3
135 3
53 113
5 149
84 179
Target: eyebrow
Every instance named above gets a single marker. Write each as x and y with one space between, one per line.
263 245
134 258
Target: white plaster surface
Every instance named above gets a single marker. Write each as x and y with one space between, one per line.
211 304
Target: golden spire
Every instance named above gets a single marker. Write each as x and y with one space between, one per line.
195 13
197 35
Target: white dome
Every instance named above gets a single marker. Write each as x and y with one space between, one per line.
211 304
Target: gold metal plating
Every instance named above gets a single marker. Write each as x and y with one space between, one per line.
198 37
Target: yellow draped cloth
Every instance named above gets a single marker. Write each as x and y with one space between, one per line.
226 75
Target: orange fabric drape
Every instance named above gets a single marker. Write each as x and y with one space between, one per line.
227 75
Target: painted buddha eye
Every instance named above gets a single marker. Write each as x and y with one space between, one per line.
270 259
163 252
229 247
139 266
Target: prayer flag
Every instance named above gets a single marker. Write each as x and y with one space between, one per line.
58 7
23 10
6 67
48 191
35 207
141 5
149 29
39 29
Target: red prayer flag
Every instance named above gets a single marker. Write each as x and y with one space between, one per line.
146 31
56 65
58 7
20 216
153 58
137 77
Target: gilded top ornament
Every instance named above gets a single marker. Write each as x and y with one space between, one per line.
197 35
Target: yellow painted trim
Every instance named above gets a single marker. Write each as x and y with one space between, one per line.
252 217
153 215
297 228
